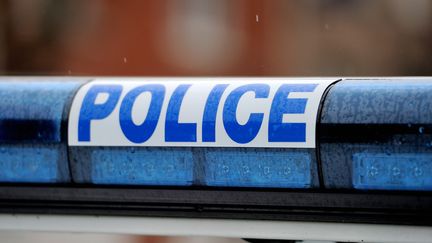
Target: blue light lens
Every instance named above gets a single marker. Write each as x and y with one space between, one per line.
32 111
258 169
20 164
394 172
32 148
142 166
377 126
221 167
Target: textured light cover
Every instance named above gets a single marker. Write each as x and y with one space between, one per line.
259 169
32 146
387 119
395 172
214 167
21 164
142 167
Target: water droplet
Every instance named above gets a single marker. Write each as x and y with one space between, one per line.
421 130
387 151
225 169
257 18
266 170
400 141
373 171
170 168
246 169
287 171
124 59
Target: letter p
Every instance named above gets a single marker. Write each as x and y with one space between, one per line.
91 109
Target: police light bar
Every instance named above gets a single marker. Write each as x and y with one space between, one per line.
323 149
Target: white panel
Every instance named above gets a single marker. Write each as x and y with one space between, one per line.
261 229
108 132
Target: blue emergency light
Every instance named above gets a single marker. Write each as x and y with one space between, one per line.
32 115
376 134
358 134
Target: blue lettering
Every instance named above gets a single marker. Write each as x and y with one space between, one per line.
288 132
247 132
210 112
143 132
175 131
92 111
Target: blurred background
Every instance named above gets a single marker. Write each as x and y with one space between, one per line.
36 237
216 37
210 38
